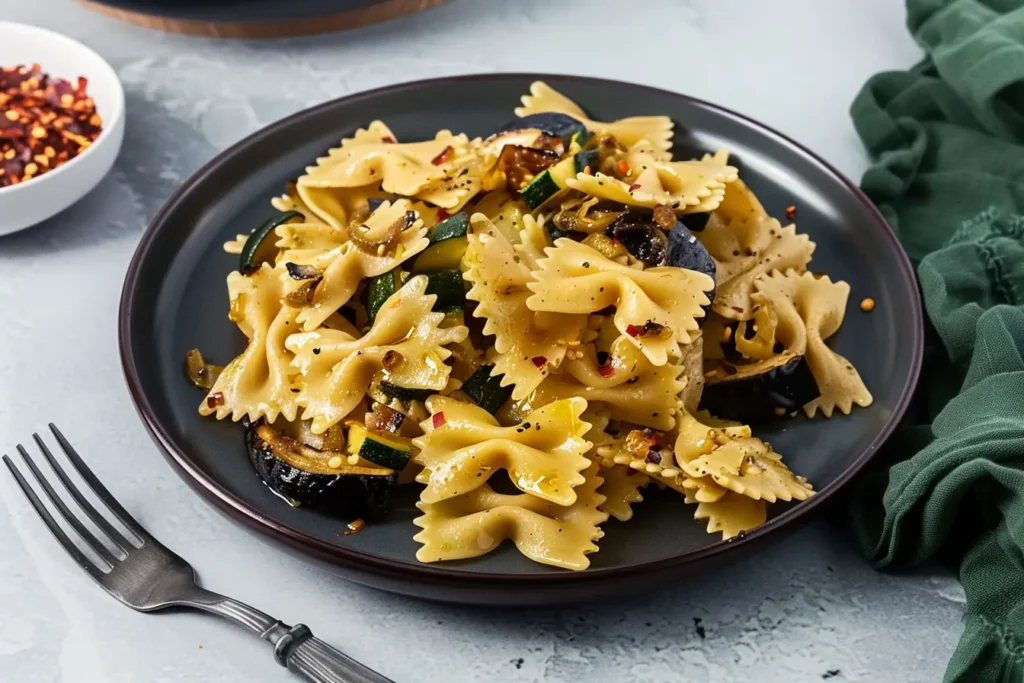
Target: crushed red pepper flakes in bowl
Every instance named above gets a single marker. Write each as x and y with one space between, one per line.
45 122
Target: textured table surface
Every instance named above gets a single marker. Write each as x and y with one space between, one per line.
807 610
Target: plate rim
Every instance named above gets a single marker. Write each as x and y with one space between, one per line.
362 561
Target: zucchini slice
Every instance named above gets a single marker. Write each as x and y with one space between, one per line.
486 391
449 228
379 289
760 391
549 183
390 451
444 255
404 393
587 157
550 123
259 248
450 289
581 137
304 476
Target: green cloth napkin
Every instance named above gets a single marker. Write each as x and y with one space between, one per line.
948 140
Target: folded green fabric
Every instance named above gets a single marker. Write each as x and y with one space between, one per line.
948 140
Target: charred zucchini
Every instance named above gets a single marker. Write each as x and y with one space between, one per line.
404 393
449 288
686 251
486 391
759 391
641 237
386 450
260 246
305 476
379 289
550 123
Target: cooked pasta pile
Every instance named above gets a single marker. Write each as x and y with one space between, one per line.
534 327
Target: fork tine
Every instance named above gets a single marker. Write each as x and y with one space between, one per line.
99 489
69 517
98 519
83 561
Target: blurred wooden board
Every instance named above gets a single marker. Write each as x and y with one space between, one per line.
256 18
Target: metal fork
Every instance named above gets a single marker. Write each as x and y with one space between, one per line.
147 576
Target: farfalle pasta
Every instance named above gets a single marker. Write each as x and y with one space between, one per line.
575 278
463 445
655 130
476 523
337 368
345 267
685 186
524 327
527 344
809 309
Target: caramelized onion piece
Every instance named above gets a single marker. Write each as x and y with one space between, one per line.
368 246
199 372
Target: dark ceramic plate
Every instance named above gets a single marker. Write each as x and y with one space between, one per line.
174 299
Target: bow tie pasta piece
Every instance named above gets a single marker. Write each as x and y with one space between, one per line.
404 169
809 309
732 514
736 226
291 201
235 246
621 489
527 344
748 466
598 417
463 445
345 267
786 250
337 369
303 243
745 243
476 523
533 240
636 390
687 186
667 301
655 129
463 180
256 383
340 206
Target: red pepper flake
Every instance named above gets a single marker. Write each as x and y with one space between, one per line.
388 139
44 122
623 167
443 156
605 370
442 214
354 527
539 361
634 330
438 420
215 400
634 187
791 212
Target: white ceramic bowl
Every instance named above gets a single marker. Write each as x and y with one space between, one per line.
35 200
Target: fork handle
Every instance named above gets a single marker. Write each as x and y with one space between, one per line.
296 648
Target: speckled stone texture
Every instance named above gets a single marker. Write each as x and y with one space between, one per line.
810 609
